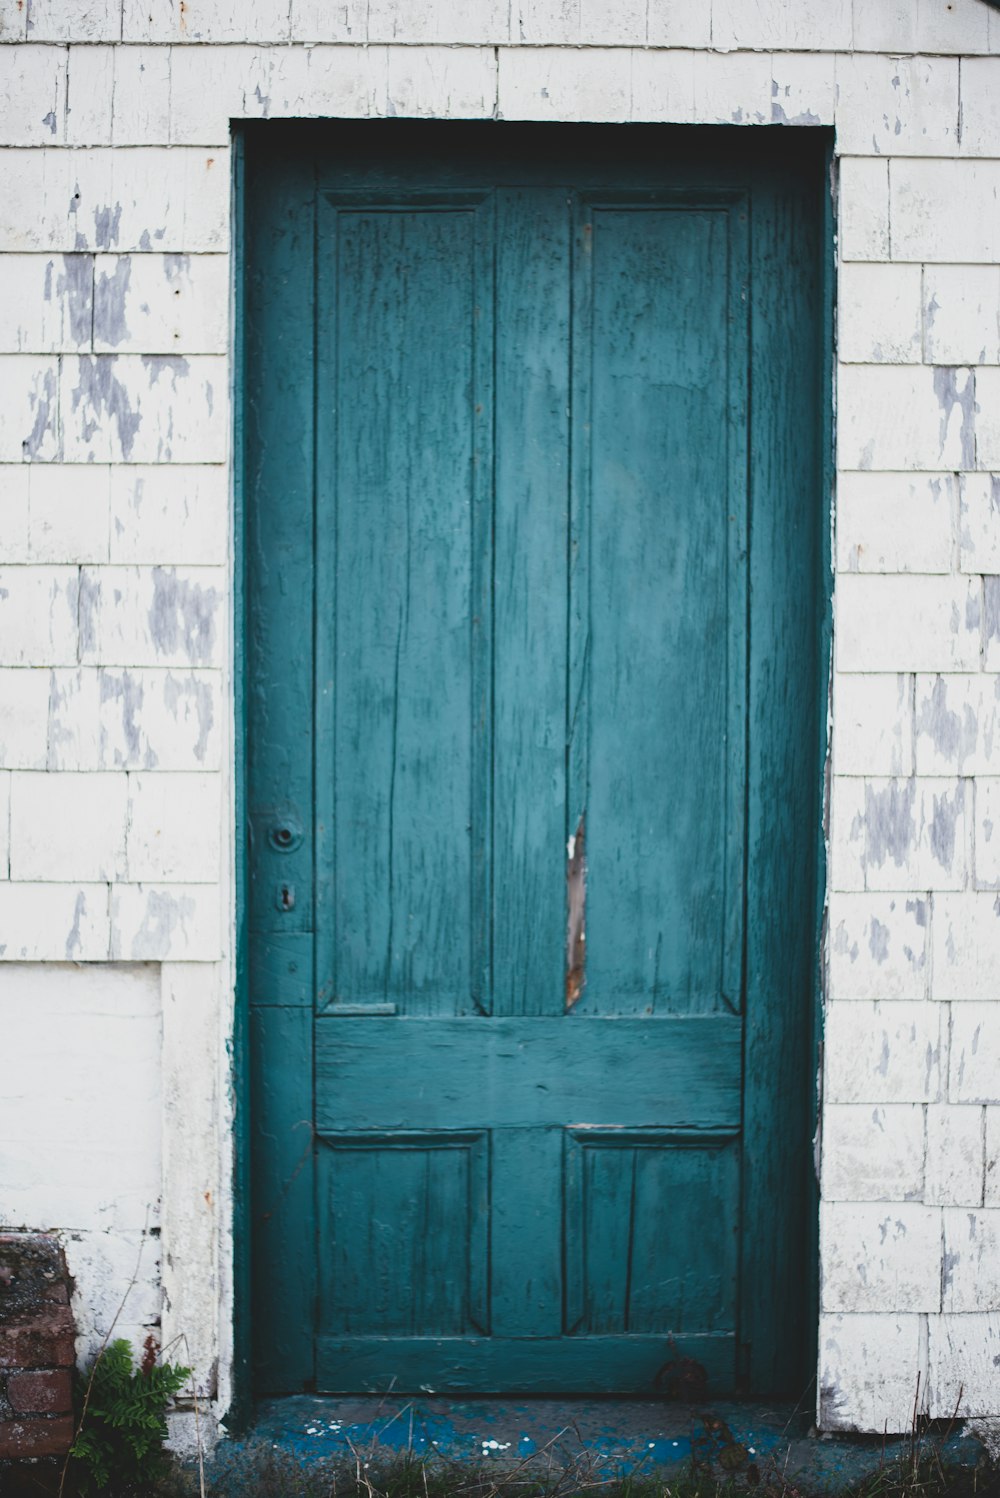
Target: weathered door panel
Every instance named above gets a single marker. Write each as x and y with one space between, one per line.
518 583
658 599
403 627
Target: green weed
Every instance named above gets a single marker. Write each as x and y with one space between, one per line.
121 1422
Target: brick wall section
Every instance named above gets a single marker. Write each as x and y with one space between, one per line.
37 1349
115 697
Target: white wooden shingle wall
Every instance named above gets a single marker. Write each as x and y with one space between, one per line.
115 579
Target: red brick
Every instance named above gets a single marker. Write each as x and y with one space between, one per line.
57 1293
21 1438
43 1342
42 1393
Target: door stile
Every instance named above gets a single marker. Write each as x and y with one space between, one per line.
280 341
482 624
738 592
531 518
532 415
788 595
325 630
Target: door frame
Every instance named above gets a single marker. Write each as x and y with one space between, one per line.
240 1411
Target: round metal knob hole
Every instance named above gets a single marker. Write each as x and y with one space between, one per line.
285 834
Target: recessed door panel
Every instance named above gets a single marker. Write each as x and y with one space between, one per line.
636 1204
659 601
404 637
406 1220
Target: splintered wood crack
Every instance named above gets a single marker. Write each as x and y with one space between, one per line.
576 923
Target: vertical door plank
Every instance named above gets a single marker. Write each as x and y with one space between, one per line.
529 820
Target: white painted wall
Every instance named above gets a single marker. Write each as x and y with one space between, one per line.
116 839
79 1142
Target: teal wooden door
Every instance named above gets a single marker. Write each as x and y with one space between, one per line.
533 568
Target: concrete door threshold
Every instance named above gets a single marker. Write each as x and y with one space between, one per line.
594 1439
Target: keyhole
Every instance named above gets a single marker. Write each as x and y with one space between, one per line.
284 897
283 836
